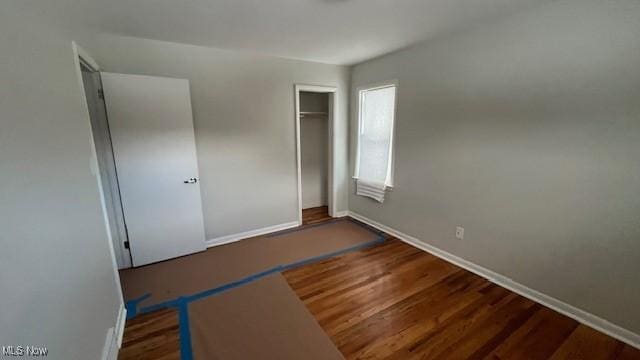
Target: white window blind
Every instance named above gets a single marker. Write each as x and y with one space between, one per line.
374 163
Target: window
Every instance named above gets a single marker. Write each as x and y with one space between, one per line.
374 161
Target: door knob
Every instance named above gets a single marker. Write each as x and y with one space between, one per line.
191 181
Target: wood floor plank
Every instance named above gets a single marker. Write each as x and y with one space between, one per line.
339 312
538 338
394 301
585 342
399 322
152 336
315 215
628 353
349 268
454 336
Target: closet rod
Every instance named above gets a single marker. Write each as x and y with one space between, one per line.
303 113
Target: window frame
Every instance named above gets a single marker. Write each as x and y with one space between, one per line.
359 92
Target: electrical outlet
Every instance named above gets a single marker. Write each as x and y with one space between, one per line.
459 232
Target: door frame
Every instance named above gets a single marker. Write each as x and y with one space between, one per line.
332 115
80 55
82 58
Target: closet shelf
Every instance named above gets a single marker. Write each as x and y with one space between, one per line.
312 113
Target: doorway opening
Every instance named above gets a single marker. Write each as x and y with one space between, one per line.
315 114
107 172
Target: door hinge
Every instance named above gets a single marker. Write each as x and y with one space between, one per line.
126 244
101 94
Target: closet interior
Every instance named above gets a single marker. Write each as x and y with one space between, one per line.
314 149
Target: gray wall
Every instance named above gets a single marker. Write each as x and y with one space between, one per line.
527 133
243 108
314 147
317 102
58 284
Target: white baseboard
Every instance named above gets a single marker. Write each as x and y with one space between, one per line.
120 323
340 214
573 312
251 233
110 349
113 340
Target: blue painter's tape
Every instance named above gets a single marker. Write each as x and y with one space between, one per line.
186 352
279 268
379 240
181 303
176 303
234 284
132 305
369 227
159 306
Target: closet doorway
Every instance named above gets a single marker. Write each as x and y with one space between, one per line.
315 114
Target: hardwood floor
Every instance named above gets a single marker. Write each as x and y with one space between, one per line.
315 215
394 301
152 336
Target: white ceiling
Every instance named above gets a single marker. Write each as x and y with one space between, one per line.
328 31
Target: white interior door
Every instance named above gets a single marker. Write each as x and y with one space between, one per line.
153 141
